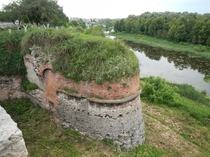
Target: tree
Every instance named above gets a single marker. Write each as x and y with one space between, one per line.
156 27
39 11
208 41
196 32
11 12
3 17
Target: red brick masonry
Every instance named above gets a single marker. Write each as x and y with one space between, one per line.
113 91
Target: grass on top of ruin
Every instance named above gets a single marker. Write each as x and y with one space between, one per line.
84 56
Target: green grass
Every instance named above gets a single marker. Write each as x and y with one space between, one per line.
188 109
189 92
182 97
11 59
27 85
197 50
84 57
207 79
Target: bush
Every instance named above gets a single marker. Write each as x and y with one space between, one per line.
98 31
157 90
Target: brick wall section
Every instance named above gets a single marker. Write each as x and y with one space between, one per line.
110 91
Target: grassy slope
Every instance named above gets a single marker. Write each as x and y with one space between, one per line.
169 132
198 50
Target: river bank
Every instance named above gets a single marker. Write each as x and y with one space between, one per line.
197 50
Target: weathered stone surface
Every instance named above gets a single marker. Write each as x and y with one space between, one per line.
11 140
10 87
32 70
123 123
38 96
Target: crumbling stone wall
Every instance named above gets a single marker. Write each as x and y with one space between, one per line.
10 87
11 140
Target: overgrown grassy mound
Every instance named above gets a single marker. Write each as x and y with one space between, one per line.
11 60
84 57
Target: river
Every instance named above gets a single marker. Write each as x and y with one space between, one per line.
175 67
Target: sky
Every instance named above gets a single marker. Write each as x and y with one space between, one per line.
122 8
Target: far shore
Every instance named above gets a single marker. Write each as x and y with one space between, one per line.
183 47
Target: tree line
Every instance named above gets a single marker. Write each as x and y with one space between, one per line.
34 11
178 27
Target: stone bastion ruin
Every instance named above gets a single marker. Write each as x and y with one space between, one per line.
110 110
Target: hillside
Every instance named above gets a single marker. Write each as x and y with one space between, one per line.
170 130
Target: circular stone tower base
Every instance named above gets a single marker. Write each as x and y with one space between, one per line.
121 122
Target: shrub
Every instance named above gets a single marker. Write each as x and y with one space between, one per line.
157 90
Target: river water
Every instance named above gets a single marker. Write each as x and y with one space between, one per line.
173 66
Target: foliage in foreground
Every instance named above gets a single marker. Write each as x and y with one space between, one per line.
184 97
44 138
82 56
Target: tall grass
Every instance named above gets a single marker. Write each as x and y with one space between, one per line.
11 59
189 92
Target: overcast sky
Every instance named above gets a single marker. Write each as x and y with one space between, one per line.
123 8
